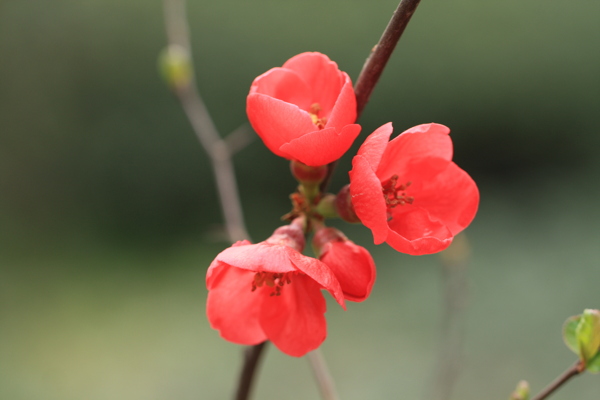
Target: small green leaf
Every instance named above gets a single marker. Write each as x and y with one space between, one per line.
521 392
588 335
594 364
569 335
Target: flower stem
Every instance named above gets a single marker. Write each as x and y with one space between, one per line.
373 67
252 356
321 372
575 370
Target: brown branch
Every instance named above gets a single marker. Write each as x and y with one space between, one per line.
381 53
220 153
575 370
252 356
373 67
204 128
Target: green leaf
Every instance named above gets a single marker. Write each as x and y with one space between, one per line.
594 365
588 335
569 335
521 392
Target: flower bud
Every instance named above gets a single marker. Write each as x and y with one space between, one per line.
352 265
344 207
308 175
175 67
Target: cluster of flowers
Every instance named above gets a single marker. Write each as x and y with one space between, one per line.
407 191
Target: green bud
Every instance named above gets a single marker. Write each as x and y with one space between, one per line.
581 334
588 335
175 67
521 392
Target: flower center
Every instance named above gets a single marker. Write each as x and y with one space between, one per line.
315 109
395 194
272 280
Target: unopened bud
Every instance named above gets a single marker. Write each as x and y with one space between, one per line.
175 67
344 207
521 392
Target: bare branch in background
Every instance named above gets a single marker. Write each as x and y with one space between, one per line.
203 126
454 268
321 372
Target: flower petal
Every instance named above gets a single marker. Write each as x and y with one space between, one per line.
374 145
232 308
321 274
321 75
344 110
321 147
413 231
277 122
285 85
353 266
367 198
449 195
259 257
422 141
295 320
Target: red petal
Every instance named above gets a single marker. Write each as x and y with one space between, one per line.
232 308
259 257
321 274
422 141
367 198
413 231
216 265
353 266
321 147
449 195
321 75
344 110
285 85
374 145
295 320
277 122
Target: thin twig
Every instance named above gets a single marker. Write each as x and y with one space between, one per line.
322 374
454 265
373 67
575 370
204 128
252 355
220 155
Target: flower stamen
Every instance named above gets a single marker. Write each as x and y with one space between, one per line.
395 194
271 279
315 108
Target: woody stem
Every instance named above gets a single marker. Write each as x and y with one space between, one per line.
574 370
376 62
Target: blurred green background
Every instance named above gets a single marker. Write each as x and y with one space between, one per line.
109 216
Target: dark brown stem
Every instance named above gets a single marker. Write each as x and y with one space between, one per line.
381 53
252 356
373 67
575 370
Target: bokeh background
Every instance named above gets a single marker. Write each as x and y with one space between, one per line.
109 215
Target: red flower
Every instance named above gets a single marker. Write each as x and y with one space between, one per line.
409 192
305 110
352 265
269 291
